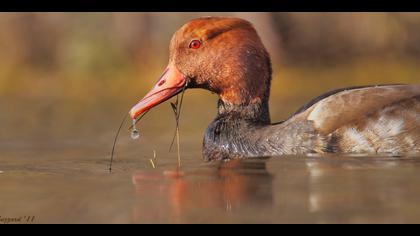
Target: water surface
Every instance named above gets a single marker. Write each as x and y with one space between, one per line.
70 184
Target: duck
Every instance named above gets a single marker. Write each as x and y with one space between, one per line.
226 56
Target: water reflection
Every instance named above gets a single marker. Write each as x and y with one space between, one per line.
355 184
177 196
282 189
295 189
347 189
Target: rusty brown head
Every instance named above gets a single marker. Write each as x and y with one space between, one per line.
222 55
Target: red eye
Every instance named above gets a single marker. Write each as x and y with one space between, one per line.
195 44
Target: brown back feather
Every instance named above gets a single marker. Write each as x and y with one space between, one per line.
344 107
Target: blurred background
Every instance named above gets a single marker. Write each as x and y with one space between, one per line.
67 79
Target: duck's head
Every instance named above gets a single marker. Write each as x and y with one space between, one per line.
222 55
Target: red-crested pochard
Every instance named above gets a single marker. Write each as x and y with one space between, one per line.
227 57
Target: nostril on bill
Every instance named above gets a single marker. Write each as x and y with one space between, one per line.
161 82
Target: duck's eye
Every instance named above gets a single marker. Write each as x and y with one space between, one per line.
195 44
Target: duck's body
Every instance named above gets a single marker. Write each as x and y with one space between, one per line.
226 56
370 120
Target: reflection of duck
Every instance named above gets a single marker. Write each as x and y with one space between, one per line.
226 56
227 187
369 191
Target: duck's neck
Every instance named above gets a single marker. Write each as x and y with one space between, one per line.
243 114
236 131
257 113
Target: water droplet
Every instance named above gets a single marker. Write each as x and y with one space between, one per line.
135 134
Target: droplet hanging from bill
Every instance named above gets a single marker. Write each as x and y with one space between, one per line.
135 134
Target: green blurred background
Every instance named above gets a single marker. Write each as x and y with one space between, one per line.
69 78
